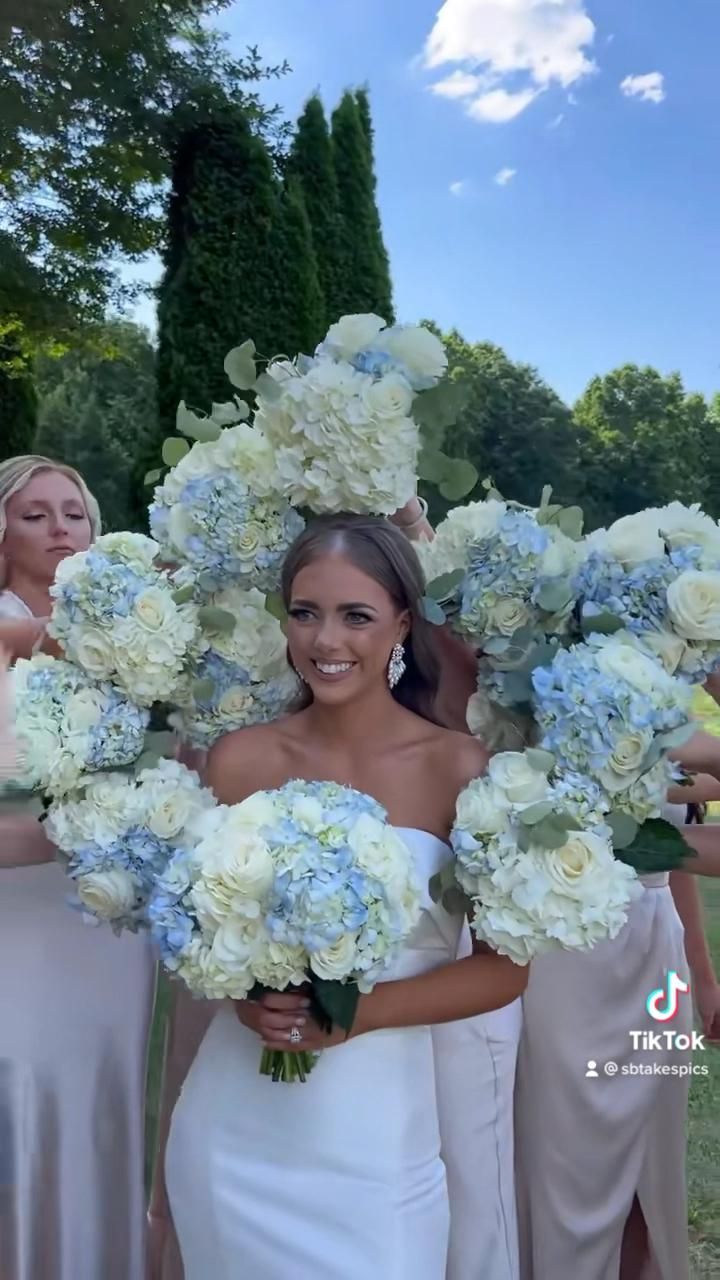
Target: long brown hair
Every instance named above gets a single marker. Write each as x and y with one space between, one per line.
378 549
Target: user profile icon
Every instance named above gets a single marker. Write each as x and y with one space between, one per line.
592 1071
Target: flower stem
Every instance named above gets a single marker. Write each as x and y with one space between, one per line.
287 1067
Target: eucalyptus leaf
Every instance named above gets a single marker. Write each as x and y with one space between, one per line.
185 594
603 623
624 829
535 813
517 687
552 832
202 690
497 646
658 846
214 619
432 612
440 406
432 465
546 495
268 387
548 515
275 606
542 761
229 412
152 477
239 365
554 596
491 493
446 585
459 480
174 450
455 901
570 522
194 427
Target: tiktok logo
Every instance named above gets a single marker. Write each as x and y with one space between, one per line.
663 1005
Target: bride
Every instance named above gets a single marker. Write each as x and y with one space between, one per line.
341 1177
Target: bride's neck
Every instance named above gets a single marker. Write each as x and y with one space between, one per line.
340 726
33 592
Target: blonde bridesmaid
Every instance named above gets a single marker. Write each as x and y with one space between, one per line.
75 1001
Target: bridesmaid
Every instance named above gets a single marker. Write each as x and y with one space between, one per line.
75 1001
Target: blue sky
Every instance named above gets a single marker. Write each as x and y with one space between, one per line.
548 169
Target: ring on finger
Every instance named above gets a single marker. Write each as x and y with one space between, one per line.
295 1035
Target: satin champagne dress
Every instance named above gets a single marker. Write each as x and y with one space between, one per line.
590 1137
75 1009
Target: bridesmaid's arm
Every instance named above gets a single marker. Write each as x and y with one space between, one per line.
700 755
413 522
705 840
22 637
23 842
703 790
704 982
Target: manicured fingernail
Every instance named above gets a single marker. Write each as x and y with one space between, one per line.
305 1004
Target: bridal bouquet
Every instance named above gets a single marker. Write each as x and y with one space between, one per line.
534 856
341 423
304 886
117 617
118 833
69 725
220 515
242 678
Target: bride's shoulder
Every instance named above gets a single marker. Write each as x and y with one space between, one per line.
461 756
247 761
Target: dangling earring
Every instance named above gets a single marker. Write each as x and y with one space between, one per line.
396 666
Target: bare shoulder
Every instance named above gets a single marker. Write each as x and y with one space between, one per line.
246 761
463 757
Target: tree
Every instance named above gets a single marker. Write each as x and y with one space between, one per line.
366 283
513 427
97 411
18 401
219 273
311 163
294 300
643 441
87 95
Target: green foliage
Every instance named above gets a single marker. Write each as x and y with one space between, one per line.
643 441
294 298
97 412
219 271
18 400
510 425
366 283
87 96
311 164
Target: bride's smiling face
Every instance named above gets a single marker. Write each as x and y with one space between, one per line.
342 626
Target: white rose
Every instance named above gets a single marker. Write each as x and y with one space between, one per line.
94 652
235 877
508 616
512 774
626 761
236 704
418 349
246 451
353 333
668 648
337 961
482 808
307 813
249 539
581 866
169 815
107 894
389 397
111 800
694 605
234 946
623 661
632 539
131 548
83 710
690 527
154 610
201 461
259 810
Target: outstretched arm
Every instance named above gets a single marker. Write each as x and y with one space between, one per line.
704 982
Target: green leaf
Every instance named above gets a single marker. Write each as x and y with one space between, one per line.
440 406
152 477
337 1000
455 901
174 450
435 887
239 365
268 387
196 428
446 585
491 493
624 829
230 412
555 596
518 688
275 606
603 623
658 846
432 465
535 813
218 620
185 594
545 496
202 690
570 521
551 832
432 611
498 647
459 480
158 745
678 737
543 761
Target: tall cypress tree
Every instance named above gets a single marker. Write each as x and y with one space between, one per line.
294 298
366 282
218 266
311 163
18 401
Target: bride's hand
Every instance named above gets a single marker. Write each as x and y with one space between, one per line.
274 1016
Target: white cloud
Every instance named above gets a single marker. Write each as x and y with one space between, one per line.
504 176
457 188
649 88
506 52
557 121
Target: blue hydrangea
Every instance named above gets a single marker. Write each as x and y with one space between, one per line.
638 596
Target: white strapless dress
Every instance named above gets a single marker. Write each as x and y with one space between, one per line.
340 1178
